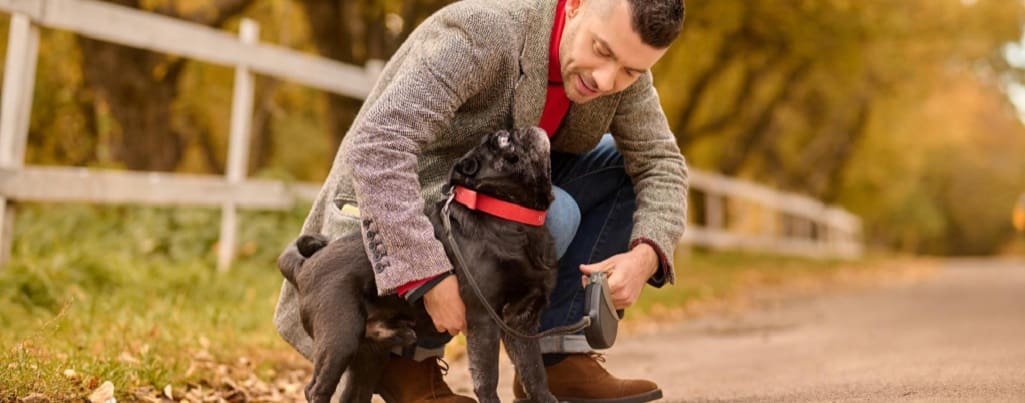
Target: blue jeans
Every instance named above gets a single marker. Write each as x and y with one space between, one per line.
604 196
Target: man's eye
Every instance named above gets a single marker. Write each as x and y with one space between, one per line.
599 51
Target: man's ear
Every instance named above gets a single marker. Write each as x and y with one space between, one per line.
573 7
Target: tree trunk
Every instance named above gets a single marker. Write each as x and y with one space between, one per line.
125 81
138 88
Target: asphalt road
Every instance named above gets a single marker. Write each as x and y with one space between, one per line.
956 335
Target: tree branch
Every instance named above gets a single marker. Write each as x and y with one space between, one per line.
733 160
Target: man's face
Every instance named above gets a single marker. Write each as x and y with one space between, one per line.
600 52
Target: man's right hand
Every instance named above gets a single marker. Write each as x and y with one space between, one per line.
446 307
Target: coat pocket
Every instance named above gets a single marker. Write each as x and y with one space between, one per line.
341 217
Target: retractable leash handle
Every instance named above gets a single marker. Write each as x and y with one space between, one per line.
601 334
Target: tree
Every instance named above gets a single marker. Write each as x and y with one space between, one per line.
138 87
788 93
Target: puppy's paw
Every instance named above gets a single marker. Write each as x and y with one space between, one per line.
390 333
405 336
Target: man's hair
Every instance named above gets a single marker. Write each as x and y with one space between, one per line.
657 21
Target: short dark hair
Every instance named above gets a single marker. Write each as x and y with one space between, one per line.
658 21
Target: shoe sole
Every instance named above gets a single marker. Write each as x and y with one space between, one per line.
641 398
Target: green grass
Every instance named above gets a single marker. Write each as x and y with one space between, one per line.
130 295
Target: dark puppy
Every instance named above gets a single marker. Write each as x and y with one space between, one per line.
513 263
352 327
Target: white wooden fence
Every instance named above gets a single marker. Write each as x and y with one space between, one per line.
822 230
738 214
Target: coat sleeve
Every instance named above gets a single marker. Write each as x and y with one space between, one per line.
442 65
658 171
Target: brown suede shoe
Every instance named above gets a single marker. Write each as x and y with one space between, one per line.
408 381
580 378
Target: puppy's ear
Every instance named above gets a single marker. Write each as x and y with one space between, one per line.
537 131
468 166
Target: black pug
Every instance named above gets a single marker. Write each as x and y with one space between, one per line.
515 264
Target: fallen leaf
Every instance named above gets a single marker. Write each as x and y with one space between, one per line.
35 398
203 355
127 358
103 394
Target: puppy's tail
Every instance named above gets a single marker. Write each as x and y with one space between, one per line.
292 259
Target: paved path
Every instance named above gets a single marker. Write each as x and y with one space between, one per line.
958 335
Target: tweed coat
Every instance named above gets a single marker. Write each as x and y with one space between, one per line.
472 68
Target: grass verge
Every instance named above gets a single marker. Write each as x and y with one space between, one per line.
130 295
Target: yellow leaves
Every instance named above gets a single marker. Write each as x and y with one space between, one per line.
1018 215
182 7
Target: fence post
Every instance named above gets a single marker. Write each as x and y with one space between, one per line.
15 111
714 212
238 146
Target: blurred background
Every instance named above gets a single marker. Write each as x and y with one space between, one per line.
903 113
907 114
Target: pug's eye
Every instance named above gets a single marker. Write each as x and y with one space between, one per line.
468 167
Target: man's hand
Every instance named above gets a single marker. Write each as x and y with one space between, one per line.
626 272
446 307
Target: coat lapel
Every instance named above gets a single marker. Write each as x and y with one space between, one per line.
532 84
584 124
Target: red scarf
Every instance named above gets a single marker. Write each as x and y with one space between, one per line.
556 101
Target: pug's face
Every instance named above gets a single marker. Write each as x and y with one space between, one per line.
511 165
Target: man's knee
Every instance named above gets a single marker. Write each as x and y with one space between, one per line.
563 220
607 152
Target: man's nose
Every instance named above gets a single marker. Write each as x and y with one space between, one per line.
605 77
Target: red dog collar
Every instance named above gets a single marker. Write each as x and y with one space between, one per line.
498 208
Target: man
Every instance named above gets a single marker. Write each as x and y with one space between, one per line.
577 68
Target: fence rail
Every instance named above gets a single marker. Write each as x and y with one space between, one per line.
767 220
787 223
108 186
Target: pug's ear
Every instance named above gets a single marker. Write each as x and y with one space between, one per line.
537 131
468 166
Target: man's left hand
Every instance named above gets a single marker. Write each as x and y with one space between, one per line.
626 272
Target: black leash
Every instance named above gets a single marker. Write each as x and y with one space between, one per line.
465 271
